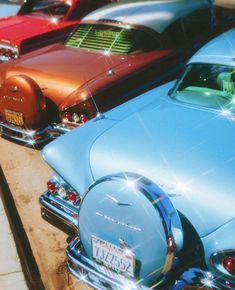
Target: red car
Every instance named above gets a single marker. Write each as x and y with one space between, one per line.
41 22
114 54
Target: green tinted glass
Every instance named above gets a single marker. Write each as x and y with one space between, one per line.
111 39
208 85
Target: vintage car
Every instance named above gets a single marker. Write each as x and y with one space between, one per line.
8 8
110 57
154 183
41 22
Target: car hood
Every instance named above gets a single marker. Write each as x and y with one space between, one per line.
189 152
59 70
18 28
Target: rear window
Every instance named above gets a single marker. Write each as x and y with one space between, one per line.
112 39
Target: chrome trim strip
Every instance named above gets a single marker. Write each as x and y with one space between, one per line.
196 278
28 136
82 268
33 137
64 226
59 214
6 47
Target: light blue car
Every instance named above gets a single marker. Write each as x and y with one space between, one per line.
155 179
8 8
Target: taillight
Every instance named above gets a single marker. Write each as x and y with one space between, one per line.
51 186
224 263
74 118
229 264
72 196
62 191
67 117
83 119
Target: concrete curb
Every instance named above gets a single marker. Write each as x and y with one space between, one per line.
29 265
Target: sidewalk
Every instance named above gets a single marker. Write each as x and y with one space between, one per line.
18 268
11 275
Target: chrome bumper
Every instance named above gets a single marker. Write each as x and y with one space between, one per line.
25 136
93 274
34 137
59 214
101 278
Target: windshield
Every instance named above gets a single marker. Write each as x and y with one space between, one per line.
111 39
208 85
52 8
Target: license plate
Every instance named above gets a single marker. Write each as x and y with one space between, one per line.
116 258
14 117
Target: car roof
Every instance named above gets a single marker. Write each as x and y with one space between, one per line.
154 14
220 50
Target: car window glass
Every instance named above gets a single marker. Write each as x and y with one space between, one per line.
112 39
50 8
208 85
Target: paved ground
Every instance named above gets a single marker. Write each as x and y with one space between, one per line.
27 175
11 274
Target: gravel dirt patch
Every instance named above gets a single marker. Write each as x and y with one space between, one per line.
27 174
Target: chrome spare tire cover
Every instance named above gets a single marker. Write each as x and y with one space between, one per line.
129 210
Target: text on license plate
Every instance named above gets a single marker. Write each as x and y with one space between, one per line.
14 117
121 260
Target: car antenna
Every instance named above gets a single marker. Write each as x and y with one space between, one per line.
99 115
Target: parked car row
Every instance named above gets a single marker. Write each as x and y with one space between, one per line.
52 90
116 49
150 185
144 184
